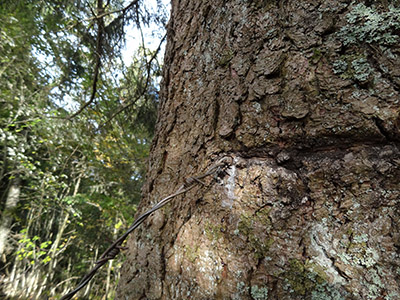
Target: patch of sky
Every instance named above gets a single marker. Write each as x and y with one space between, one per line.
149 35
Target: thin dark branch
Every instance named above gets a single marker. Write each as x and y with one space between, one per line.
98 54
142 92
99 17
123 10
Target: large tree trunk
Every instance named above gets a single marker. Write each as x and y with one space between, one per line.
310 207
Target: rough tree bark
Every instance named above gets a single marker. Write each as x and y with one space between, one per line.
310 208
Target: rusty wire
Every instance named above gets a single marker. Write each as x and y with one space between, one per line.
116 247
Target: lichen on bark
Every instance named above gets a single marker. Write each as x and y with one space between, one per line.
310 207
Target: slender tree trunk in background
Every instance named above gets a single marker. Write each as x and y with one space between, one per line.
28 280
310 207
90 284
110 267
107 290
7 217
63 220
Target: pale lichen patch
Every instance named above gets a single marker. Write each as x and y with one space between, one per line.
321 244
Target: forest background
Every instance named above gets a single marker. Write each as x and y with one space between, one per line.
76 124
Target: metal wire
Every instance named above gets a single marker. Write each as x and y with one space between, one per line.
116 247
